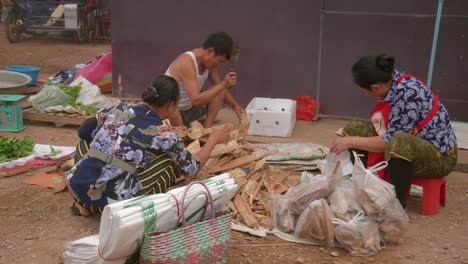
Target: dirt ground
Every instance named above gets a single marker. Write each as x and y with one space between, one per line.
35 223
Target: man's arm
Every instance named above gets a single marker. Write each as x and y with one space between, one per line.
184 70
229 99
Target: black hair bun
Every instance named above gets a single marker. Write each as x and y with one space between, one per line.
148 95
385 63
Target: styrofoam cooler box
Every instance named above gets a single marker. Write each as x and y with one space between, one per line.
271 117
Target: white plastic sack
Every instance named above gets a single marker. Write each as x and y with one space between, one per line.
358 236
373 193
124 223
90 95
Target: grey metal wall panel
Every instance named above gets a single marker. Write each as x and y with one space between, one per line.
348 37
279 45
278 42
455 7
394 6
450 78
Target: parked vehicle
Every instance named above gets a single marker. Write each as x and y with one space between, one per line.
40 17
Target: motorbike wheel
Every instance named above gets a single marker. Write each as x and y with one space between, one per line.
12 29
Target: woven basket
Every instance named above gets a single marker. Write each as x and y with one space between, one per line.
203 242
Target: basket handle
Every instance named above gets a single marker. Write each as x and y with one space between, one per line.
209 199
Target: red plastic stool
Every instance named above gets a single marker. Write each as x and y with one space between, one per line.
433 194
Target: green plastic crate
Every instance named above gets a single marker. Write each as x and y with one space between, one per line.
11 114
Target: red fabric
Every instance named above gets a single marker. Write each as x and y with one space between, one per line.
379 117
306 108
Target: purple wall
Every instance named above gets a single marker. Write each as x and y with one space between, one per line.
279 45
279 42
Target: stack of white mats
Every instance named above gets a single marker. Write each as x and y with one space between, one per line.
123 224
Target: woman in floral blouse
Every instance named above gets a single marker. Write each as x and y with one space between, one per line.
127 151
410 127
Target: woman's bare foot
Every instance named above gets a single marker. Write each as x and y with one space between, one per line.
82 211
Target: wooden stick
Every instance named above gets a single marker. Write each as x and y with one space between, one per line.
233 208
245 211
255 192
194 147
221 149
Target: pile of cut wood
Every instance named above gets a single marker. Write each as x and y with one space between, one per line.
258 181
250 205
225 157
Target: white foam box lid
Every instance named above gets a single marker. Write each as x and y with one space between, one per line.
271 117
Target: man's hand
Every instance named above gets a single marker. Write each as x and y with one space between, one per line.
221 135
230 80
341 144
239 111
243 122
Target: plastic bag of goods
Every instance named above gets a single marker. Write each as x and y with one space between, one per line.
50 95
305 108
281 215
343 201
359 236
394 224
315 223
313 187
373 193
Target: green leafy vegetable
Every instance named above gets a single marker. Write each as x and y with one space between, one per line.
73 92
87 110
12 148
53 152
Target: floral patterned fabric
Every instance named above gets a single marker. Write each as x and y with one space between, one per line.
136 135
411 102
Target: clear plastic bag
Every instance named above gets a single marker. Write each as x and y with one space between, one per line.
303 194
282 217
394 224
50 95
327 165
285 209
313 187
373 193
315 223
358 236
343 201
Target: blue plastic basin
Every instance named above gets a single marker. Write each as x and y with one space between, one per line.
31 71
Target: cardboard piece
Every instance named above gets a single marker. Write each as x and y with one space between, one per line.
54 181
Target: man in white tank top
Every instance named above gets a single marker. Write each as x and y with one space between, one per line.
191 69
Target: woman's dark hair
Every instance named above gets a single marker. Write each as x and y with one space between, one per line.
370 70
221 42
164 89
